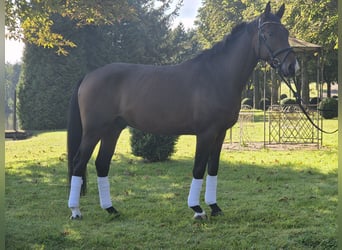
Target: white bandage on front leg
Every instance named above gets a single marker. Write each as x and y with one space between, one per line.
74 196
194 193
104 192
210 190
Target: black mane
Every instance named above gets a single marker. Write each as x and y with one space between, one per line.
224 44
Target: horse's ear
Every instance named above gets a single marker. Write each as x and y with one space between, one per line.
281 10
268 9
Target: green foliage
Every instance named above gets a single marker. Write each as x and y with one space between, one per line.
283 96
152 147
182 44
315 101
46 82
48 79
264 103
33 20
313 21
316 22
216 18
329 108
12 73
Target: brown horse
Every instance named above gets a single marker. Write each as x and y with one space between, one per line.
200 97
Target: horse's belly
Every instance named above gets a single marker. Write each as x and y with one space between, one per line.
161 122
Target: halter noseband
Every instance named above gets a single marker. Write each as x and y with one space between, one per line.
275 62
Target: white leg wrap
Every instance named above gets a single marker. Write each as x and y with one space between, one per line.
194 193
104 192
75 213
210 190
75 192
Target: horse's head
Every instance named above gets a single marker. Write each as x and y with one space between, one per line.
273 42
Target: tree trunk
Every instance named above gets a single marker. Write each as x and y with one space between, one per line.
256 96
305 86
328 89
274 88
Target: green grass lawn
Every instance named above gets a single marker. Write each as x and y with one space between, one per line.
271 199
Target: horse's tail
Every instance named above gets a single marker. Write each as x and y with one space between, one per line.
74 135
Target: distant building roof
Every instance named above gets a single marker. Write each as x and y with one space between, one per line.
303 46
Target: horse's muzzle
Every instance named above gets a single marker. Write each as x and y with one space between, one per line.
290 69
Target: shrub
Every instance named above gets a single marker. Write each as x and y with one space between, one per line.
328 108
152 147
287 101
247 101
267 103
314 100
283 96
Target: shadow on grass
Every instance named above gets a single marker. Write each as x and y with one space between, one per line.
264 206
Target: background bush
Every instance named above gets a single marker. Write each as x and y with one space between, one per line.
247 101
315 101
287 101
283 96
329 108
152 147
267 103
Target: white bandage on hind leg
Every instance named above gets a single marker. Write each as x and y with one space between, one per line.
75 192
104 192
210 190
194 193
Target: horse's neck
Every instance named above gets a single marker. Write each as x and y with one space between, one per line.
238 65
242 59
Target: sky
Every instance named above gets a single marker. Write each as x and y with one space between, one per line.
187 15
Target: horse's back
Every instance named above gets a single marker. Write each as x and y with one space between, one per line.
142 95
178 99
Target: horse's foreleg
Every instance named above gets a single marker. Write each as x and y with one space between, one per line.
211 180
102 163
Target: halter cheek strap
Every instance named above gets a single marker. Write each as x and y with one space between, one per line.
274 61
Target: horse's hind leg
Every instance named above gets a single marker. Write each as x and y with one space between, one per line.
108 143
203 148
82 157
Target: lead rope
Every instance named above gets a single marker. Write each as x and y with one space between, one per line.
299 102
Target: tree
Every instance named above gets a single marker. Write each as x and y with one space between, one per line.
12 73
47 80
316 22
182 44
31 20
216 18
312 21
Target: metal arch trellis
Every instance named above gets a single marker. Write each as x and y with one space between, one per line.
243 128
246 119
288 124
285 125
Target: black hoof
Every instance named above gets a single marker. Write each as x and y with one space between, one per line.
77 217
197 209
215 210
218 213
113 212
